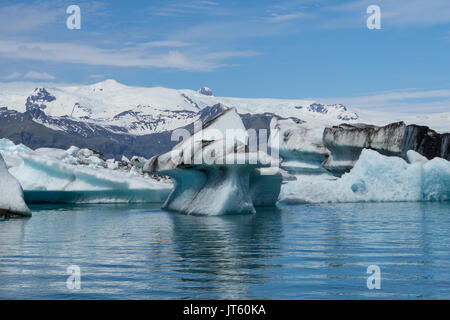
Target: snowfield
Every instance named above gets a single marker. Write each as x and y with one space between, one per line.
141 110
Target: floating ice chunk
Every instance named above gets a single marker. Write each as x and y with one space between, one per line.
299 144
346 142
436 180
11 194
414 157
215 174
265 186
375 177
77 176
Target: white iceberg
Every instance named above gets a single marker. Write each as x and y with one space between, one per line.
214 172
77 176
11 195
374 178
300 146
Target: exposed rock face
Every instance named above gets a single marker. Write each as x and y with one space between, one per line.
445 148
376 178
427 142
12 203
346 141
205 91
37 101
214 173
339 110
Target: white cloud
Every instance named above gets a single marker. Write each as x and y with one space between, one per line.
38 75
399 100
285 17
164 43
135 56
182 8
399 13
352 14
11 76
25 17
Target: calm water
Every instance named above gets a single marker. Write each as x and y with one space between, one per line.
289 252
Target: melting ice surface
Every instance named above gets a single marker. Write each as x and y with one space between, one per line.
11 196
375 178
318 251
56 176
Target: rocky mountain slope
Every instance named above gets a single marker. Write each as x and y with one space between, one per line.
117 119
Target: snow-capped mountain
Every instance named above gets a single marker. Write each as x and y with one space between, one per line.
140 111
117 119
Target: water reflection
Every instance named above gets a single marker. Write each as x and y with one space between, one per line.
290 252
224 253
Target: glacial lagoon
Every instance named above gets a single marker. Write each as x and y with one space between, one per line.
288 252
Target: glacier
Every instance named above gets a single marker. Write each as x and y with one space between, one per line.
215 173
375 178
12 202
49 175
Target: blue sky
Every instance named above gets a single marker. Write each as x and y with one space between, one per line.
251 48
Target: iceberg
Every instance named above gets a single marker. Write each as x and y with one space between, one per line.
12 203
50 175
300 146
360 162
346 141
215 173
375 178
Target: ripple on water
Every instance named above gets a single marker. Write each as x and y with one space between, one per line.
289 252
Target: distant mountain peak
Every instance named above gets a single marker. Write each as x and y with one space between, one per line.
205 91
38 101
107 85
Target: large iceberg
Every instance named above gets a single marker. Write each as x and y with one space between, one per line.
376 177
11 194
300 146
76 175
215 173
346 141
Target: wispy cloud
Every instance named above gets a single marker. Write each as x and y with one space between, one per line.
399 13
134 56
405 100
30 75
352 14
274 18
11 76
181 8
164 44
25 17
38 76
